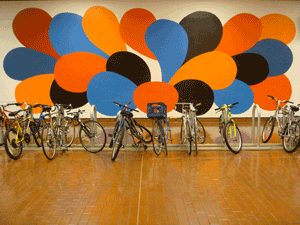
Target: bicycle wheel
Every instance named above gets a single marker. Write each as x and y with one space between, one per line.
70 131
158 138
13 149
201 134
117 142
35 133
268 129
145 134
3 129
185 135
233 137
48 141
291 136
195 137
92 136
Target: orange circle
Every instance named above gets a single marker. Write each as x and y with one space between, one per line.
74 71
277 26
280 87
217 69
152 92
35 90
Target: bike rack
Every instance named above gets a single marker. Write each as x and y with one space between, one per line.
93 115
257 109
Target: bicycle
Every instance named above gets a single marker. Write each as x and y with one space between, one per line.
125 121
42 120
5 122
92 136
229 130
15 137
291 132
55 132
280 116
192 130
158 112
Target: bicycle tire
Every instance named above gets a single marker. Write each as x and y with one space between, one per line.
113 134
268 126
70 126
146 135
118 143
202 133
35 133
3 131
228 130
48 141
96 142
158 138
295 129
11 146
196 137
187 135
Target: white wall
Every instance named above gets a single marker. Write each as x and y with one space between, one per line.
162 9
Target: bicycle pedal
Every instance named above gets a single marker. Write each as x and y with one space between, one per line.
110 135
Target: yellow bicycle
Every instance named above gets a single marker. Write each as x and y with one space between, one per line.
22 131
229 130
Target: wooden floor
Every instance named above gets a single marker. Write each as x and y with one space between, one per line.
215 187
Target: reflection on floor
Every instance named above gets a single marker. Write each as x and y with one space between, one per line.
214 187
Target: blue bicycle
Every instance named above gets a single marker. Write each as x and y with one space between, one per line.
125 121
158 112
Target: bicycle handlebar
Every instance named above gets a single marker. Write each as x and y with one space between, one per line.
125 106
230 106
16 104
76 113
283 101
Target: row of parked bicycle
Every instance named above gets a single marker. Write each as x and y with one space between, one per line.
53 130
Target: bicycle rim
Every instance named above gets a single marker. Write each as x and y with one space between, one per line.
291 136
70 131
268 129
201 134
92 136
3 130
188 137
196 138
48 141
233 137
118 143
13 149
156 136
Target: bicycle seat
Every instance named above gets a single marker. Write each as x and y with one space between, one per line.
46 108
127 114
294 108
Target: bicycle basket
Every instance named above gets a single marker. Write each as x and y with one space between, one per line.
157 110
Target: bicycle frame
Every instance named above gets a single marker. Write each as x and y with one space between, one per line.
189 115
59 120
6 118
225 117
19 129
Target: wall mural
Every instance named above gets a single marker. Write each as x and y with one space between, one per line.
75 59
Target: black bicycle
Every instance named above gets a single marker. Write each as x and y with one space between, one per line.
92 136
125 121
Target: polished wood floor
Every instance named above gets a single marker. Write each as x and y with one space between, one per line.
215 187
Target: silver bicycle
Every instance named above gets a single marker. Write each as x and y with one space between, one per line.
192 130
55 133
